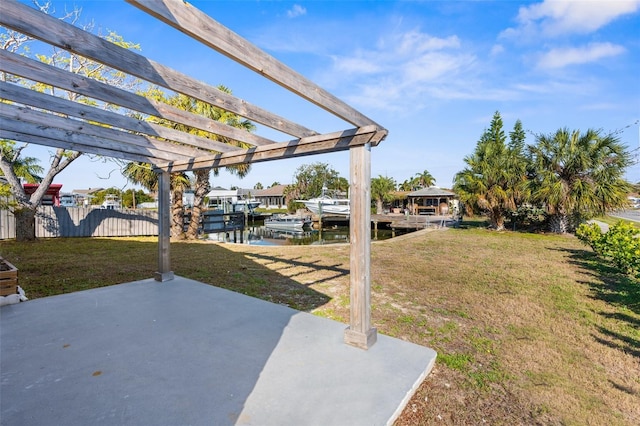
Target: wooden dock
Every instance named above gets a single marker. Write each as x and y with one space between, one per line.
415 222
393 221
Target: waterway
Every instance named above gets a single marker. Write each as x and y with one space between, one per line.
257 234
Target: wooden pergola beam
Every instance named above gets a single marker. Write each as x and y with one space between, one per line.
70 143
198 25
332 142
164 272
360 333
69 125
34 23
89 113
37 71
29 121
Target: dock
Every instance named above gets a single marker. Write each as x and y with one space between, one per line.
393 221
412 222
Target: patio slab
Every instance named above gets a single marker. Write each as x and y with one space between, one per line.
186 353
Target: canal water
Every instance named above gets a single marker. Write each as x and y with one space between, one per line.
257 234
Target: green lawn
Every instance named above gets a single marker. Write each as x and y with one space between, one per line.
529 328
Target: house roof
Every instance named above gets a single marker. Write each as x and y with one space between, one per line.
38 118
218 192
274 191
86 191
431 191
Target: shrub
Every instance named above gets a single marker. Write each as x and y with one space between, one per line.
620 245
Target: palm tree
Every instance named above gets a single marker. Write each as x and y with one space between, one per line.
381 189
424 179
407 185
578 175
200 184
495 174
25 168
142 174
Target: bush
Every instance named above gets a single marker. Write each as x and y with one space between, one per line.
528 217
620 245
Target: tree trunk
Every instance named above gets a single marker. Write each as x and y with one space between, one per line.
177 216
496 218
201 190
559 223
379 206
25 224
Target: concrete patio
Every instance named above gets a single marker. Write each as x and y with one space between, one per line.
185 353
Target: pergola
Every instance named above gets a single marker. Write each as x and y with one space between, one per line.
33 117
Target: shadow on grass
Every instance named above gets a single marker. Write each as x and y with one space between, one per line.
615 288
619 341
65 265
329 272
607 284
472 222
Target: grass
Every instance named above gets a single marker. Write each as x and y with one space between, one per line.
530 329
610 220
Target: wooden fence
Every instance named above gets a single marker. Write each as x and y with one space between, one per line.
85 222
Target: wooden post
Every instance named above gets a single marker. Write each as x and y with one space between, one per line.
164 228
360 333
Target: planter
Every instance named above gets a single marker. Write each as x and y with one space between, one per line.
8 278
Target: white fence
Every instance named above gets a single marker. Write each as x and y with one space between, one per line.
85 222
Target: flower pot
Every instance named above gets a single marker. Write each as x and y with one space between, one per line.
8 278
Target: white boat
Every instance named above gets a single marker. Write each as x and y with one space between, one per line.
325 205
287 222
111 202
245 205
230 201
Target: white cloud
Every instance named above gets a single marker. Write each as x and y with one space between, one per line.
414 42
562 57
400 67
557 17
356 65
296 11
600 107
497 49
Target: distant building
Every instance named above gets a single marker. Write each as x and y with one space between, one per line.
271 198
232 200
432 200
52 196
68 200
84 196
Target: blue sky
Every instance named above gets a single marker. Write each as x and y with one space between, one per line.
431 72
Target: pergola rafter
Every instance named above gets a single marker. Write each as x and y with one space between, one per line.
30 116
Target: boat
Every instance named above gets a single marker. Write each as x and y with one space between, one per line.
245 205
325 205
230 201
287 222
111 202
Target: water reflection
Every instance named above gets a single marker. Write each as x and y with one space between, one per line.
261 235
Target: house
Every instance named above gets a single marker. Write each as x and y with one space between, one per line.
271 198
52 196
432 200
84 196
